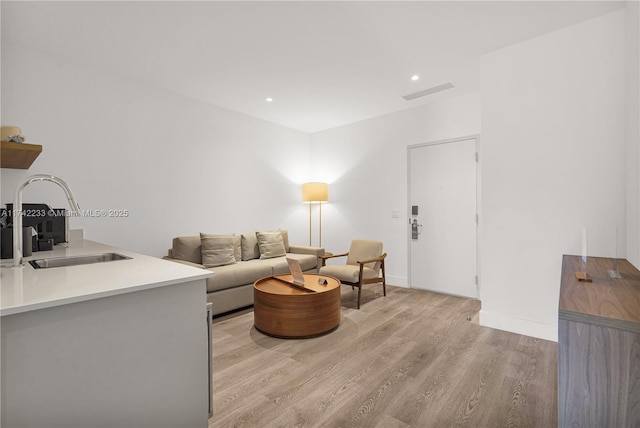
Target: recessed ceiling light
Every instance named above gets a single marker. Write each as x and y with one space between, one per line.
415 77
269 99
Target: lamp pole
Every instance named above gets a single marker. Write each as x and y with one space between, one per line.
315 192
320 225
310 223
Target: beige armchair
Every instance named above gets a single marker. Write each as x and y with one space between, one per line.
365 262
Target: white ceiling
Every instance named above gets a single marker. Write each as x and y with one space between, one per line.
325 64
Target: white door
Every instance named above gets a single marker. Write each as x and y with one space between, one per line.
442 187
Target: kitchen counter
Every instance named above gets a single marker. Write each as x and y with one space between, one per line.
104 344
26 289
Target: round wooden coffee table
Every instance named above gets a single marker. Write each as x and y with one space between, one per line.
281 310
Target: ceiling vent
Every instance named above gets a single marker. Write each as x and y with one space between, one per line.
429 91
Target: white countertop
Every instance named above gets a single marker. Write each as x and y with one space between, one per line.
24 289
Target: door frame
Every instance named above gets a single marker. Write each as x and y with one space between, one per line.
475 137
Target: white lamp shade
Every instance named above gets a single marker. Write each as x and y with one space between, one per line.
315 192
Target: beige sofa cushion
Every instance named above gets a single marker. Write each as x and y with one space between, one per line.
348 273
270 244
281 267
249 244
362 249
217 250
187 248
238 274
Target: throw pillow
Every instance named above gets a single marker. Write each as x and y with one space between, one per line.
249 244
270 244
285 239
217 250
187 248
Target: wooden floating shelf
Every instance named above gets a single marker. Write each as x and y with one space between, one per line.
18 155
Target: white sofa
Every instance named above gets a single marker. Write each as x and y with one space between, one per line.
238 260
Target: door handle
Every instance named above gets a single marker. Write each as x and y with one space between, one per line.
416 229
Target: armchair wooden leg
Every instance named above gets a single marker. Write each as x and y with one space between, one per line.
359 291
384 280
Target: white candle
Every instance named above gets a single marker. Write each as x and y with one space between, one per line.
584 246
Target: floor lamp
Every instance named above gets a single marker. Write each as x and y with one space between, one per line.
315 192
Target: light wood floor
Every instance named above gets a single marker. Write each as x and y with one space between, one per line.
410 359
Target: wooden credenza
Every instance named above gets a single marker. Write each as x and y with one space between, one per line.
599 345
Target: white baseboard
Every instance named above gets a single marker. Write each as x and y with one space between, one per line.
519 325
398 281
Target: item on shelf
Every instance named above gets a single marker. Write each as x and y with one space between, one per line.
11 134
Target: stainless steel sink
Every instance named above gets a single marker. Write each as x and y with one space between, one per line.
76 260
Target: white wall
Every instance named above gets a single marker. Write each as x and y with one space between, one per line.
553 137
365 164
633 132
179 166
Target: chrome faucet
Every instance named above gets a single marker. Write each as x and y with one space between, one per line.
17 214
